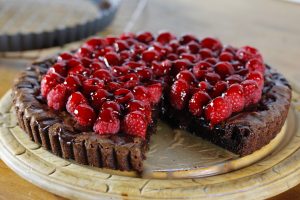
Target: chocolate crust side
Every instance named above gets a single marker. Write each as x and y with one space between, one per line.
47 128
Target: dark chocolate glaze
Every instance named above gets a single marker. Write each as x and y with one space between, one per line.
57 132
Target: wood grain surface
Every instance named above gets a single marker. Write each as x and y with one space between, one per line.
269 25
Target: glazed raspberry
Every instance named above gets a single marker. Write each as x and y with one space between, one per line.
212 77
205 53
150 55
74 100
127 35
73 62
255 65
135 124
224 69
193 47
111 59
257 77
83 52
95 43
211 43
204 86
120 70
103 74
107 122
226 56
197 102
97 65
200 69
58 68
141 93
72 83
181 64
155 92
48 82
165 37
121 45
246 53
144 73
145 37
187 38
78 69
112 86
187 76
211 60
92 85
123 96
57 97
235 96
111 40
137 105
99 97
218 110
161 68
235 78
191 57
84 115
252 92
218 89
179 94
112 105
64 56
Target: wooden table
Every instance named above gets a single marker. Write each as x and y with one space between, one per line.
271 26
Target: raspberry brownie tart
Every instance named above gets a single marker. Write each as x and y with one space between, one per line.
100 104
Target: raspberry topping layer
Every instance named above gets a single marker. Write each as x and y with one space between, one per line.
112 84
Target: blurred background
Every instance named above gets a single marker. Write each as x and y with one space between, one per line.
30 29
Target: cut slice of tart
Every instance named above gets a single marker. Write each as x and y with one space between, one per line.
100 104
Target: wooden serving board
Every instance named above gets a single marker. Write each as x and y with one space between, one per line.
275 173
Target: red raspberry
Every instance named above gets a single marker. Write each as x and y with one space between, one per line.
155 92
191 57
92 85
120 70
226 56
150 55
57 97
255 65
64 56
235 97
73 62
181 50
165 37
211 43
121 45
74 100
200 68
111 59
97 65
246 53
187 76
257 77
83 52
218 110
79 69
224 69
103 74
133 64
141 93
252 92
211 60
172 56
107 122
197 102
135 124
160 69
72 83
212 77
137 105
48 82
205 53
193 47
145 37
112 105
179 94
204 86
112 86
218 89
95 43
123 96
127 35
84 115
110 40
99 97
187 38
58 68
144 73
235 78
180 65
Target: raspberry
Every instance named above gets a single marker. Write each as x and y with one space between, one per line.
179 94
103 74
235 78
84 115
246 53
193 47
137 105
212 77
218 89
150 55
79 69
110 40
57 97
123 96
141 93
155 92
83 52
224 69
74 100
92 85
255 65
95 43
187 76
235 97
197 102
73 62
120 70
187 38
112 105
112 86
99 97
64 56
72 83
58 68
218 110
135 124
121 45
145 37
144 73
205 53
226 56
252 92
180 65
211 43
97 65
160 69
107 122
191 57
126 36
204 86
257 77
211 60
200 68
111 59
165 37
48 82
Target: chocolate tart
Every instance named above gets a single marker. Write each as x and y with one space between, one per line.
242 133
